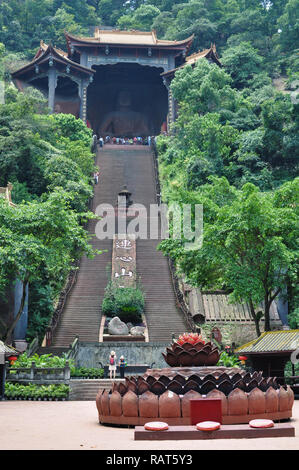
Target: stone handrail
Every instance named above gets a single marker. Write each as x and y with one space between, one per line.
39 375
74 348
33 347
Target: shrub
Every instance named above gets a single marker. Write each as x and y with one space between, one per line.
36 391
126 303
45 360
74 129
87 372
227 360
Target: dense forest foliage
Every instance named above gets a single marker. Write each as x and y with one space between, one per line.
271 28
48 160
233 147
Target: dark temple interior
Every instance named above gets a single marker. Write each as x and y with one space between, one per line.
127 100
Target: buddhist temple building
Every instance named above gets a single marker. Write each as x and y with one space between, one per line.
115 81
271 351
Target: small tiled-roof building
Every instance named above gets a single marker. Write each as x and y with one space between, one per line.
213 309
5 352
271 351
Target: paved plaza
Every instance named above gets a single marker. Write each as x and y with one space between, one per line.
73 425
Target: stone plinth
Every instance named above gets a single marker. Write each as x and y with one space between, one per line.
165 394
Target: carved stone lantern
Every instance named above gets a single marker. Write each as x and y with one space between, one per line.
124 198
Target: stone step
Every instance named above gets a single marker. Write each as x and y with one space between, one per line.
87 389
82 311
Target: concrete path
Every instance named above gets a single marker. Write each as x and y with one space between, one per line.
73 425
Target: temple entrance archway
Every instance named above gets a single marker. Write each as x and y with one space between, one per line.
127 100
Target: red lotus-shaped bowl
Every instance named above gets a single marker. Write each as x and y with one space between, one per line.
191 353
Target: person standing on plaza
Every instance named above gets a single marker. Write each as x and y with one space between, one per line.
122 365
112 365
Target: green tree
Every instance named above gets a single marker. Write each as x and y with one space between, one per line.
249 245
68 126
40 240
142 18
277 114
242 62
288 24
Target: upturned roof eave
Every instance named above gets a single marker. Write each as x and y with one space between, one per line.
44 55
274 352
203 56
259 342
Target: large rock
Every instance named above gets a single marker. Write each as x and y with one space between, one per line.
117 327
137 330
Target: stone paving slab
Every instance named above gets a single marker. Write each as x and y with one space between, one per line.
73 425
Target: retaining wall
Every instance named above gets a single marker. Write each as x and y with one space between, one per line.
91 354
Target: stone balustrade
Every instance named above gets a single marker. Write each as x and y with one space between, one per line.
39 375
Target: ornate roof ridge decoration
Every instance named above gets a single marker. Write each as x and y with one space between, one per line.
119 37
46 52
203 53
276 341
209 53
44 47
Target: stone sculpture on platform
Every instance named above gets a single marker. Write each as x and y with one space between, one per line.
117 327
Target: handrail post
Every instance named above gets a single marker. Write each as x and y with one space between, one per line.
32 371
67 372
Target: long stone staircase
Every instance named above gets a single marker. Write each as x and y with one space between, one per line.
131 166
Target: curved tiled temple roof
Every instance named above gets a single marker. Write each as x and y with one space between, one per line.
43 48
117 38
43 55
128 38
272 341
